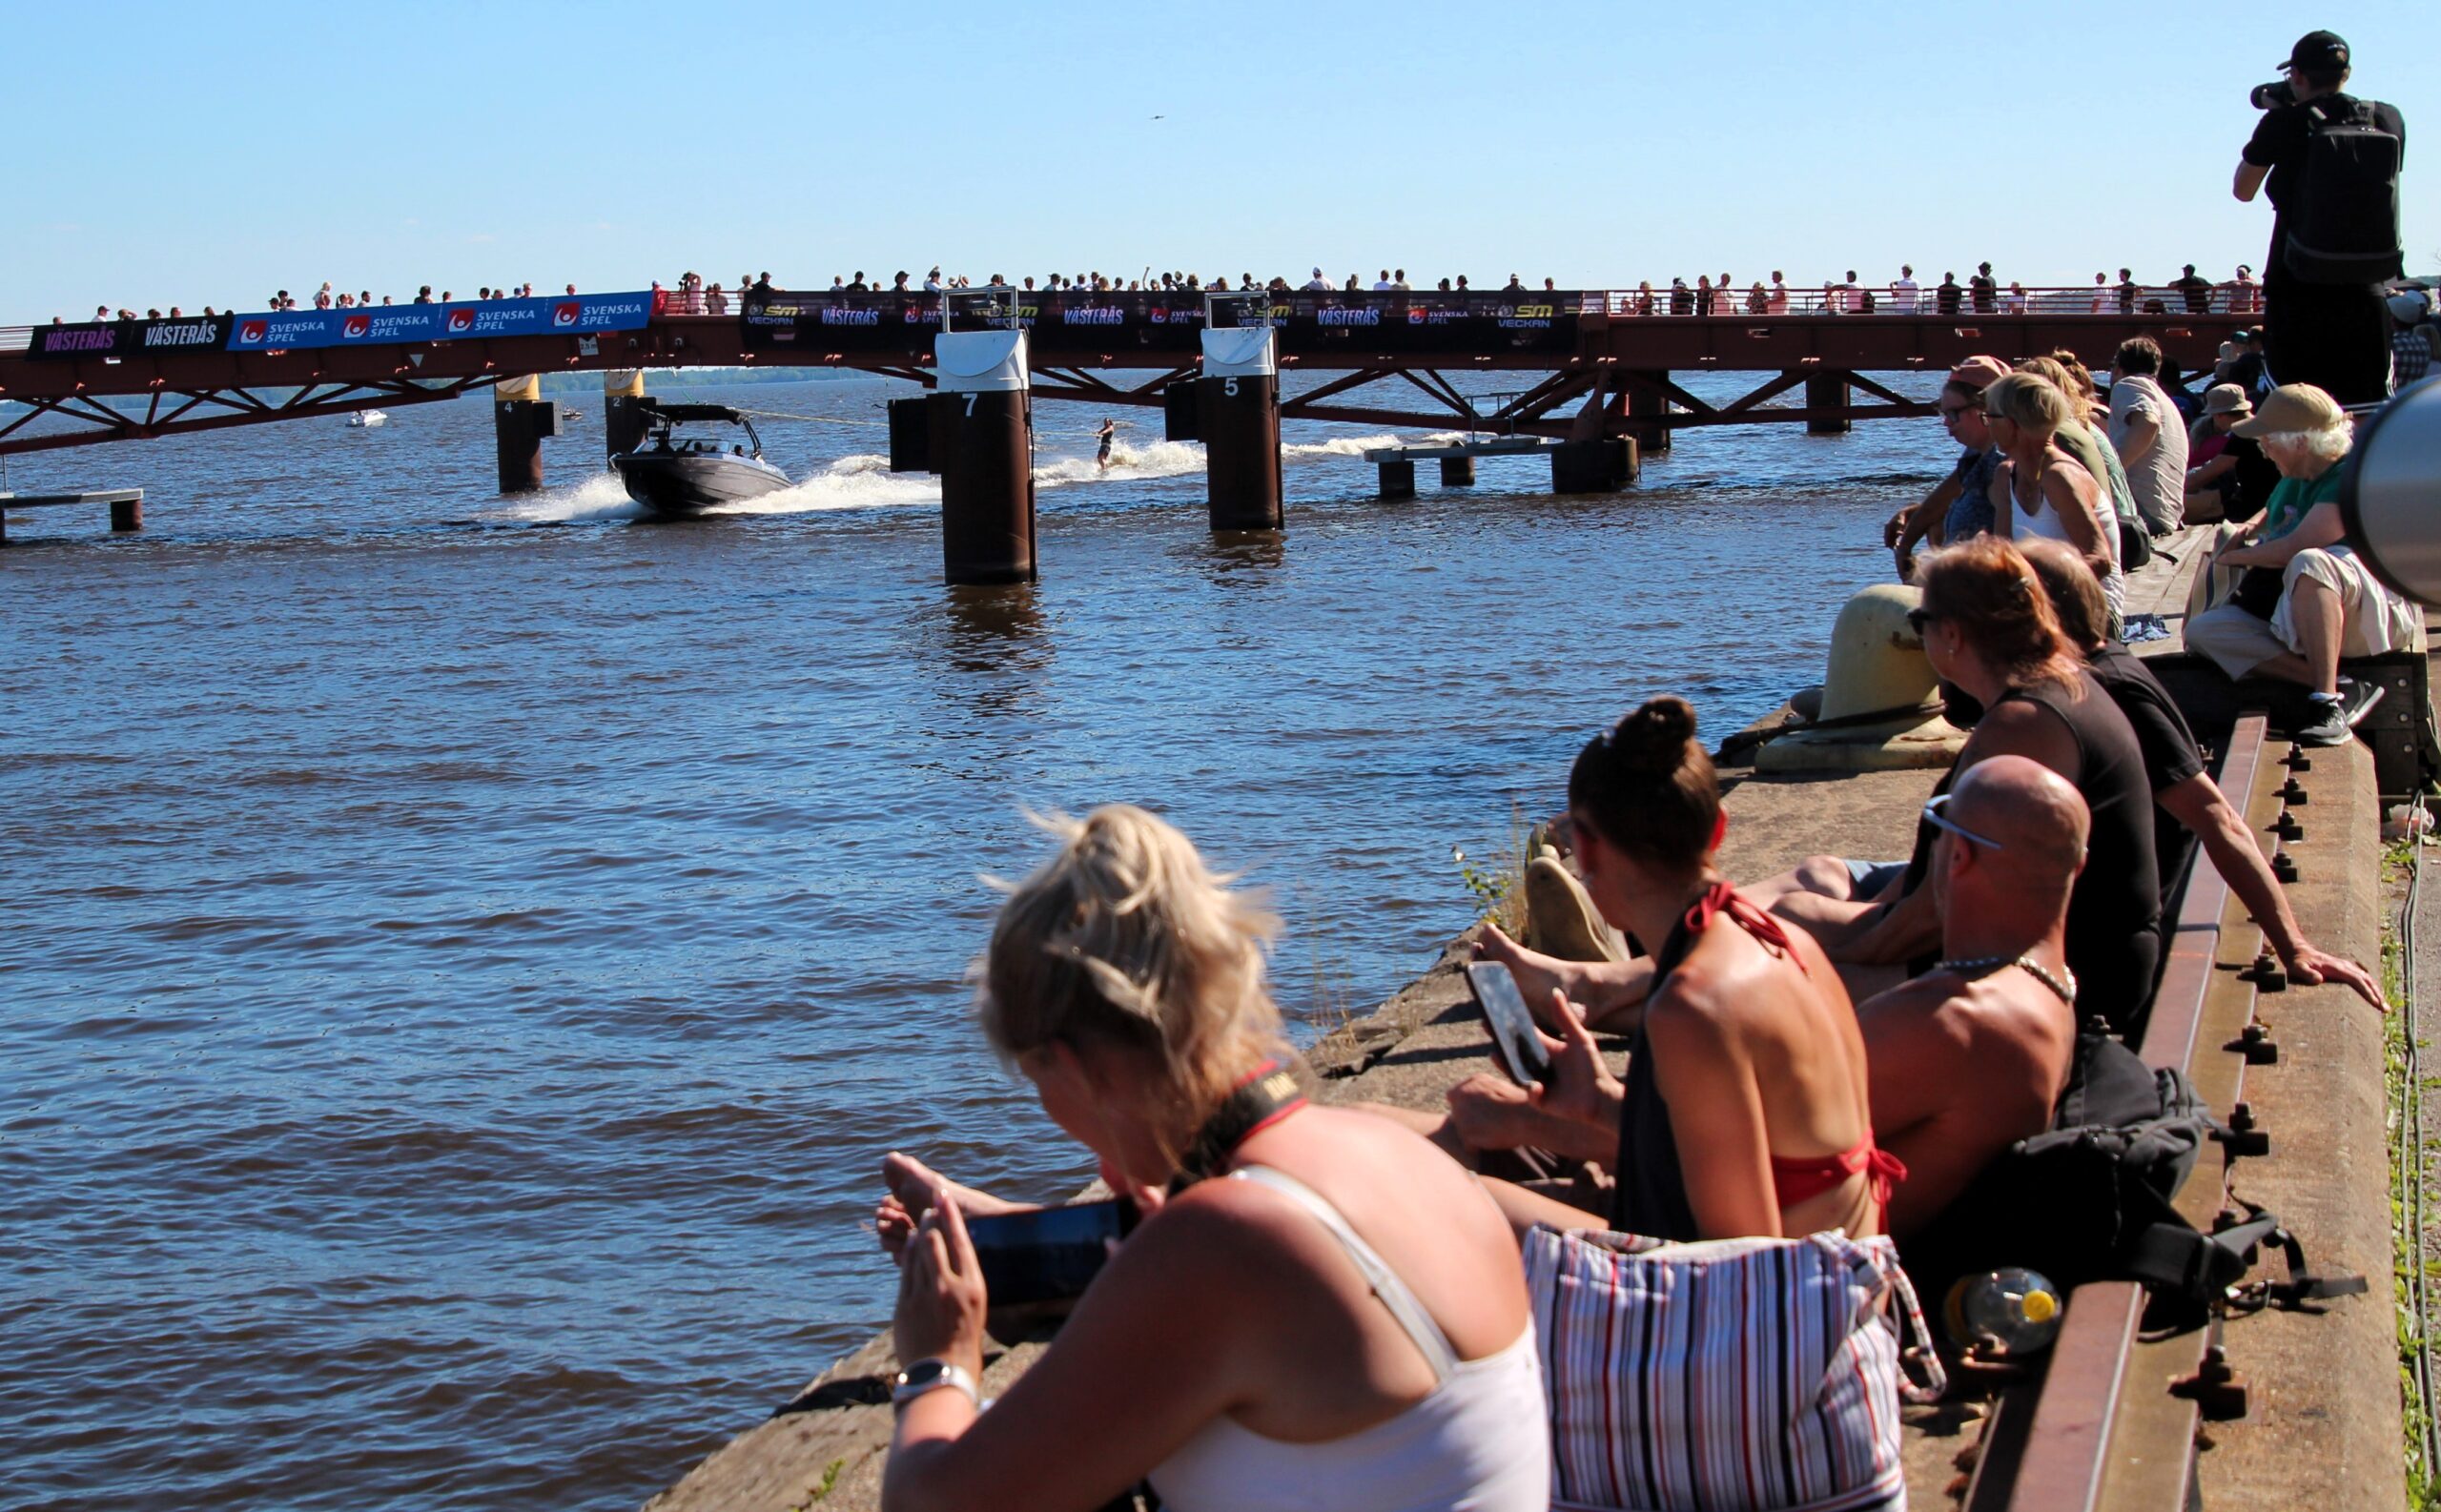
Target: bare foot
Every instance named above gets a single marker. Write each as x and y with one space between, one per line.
1611 993
913 1186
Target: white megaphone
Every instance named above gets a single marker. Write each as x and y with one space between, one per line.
2390 497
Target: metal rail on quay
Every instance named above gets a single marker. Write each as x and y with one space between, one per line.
1624 368
2107 1429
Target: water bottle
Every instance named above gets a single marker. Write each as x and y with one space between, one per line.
2005 1314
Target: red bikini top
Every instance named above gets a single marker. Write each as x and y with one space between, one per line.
1792 1181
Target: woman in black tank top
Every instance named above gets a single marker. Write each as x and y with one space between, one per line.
1988 627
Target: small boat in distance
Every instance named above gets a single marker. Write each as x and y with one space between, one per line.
675 473
366 420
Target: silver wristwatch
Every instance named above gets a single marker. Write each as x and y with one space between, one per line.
931 1374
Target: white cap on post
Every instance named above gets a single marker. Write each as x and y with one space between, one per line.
1239 351
980 362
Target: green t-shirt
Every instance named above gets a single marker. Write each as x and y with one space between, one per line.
2291 498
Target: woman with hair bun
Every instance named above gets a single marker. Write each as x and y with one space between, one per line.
1744 1112
1318 1309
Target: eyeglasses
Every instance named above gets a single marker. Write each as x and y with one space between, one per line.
1917 619
1935 817
1951 412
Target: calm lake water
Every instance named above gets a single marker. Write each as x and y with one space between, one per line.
460 976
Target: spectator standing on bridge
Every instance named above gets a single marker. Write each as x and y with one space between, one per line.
2101 293
1779 293
1704 299
1757 301
2195 292
1318 284
2127 291
2332 164
1399 279
2149 436
322 296
1947 295
1682 299
1903 291
1645 304
2017 297
1984 289
2246 296
1382 284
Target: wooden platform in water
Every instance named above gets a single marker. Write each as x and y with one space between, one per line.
1500 446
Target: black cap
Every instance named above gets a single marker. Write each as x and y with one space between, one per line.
2318 49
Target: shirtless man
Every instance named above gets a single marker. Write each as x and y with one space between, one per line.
1964 1061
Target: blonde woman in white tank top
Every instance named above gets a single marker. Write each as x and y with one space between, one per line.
1338 1320
2040 490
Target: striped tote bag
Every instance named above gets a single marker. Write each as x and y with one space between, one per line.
1730 1376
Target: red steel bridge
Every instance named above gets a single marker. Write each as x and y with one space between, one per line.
1383 359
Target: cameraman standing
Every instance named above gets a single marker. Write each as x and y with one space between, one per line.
2333 162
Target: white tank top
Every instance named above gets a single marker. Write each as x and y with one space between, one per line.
1479 1442
2038 518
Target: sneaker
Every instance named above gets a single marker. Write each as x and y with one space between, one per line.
2327 725
2357 700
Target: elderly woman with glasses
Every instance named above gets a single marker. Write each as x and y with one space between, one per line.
2308 600
1960 506
2039 490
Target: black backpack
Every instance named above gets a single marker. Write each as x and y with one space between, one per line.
2343 217
2090 1200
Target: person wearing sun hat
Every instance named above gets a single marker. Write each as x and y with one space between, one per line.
2324 603
2235 477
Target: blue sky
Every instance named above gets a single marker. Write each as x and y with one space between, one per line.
192 154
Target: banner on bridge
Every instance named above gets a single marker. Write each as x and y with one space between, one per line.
1166 323
120 338
378 325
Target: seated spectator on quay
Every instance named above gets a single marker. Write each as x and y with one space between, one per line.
2189 805
1960 505
2150 435
2040 490
1338 1318
1962 1061
2085 437
2233 471
2307 599
1744 1111
1988 630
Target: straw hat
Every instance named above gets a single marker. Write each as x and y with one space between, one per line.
2292 407
1979 372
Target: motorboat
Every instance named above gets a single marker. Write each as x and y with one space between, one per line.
366 420
676 472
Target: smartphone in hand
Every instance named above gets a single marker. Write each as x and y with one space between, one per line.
1513 1034
1048 1255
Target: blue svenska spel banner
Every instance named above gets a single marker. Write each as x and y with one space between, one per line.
378 325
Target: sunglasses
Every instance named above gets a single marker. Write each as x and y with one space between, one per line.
1951 412
1917 619
1935 816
